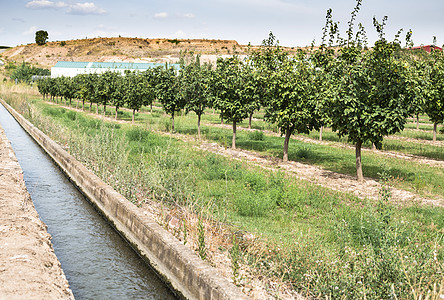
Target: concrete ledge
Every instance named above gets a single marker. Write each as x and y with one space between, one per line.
178 266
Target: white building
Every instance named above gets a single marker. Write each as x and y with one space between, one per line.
73 68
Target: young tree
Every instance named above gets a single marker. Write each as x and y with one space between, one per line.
151 79
168 92
434 97
93 79
105 88
290 101
54 88
254 90
67 89
195 86
118 95
84 88
323 61
372 98
136 91
43 87
230 91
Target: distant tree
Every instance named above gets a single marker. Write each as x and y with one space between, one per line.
151 80
43 87
168 92
118 95
195 87
67 90
105 88
84 88
230 91
254 89
136 91
41 37
434 104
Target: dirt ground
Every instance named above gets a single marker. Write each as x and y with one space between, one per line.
29 268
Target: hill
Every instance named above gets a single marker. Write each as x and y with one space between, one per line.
119 49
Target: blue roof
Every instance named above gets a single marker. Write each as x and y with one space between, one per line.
111 65
71 64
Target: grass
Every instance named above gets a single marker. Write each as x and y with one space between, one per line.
415 177
320 242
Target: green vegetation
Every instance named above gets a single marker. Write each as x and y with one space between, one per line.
320 241
24 72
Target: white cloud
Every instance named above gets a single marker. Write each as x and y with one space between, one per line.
161 15
87 8
37 4
31 30
78 8
189 15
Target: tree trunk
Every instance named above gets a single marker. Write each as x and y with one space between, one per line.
172 122
134 113
83 104
249 120
417 121
373 147
97 108
104 109
198 125
358 161
117 108
434 131
233 143
320 132
151 107
286 142
90 106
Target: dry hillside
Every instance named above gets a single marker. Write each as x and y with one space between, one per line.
118 49
122 49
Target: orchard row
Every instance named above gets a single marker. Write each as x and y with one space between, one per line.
364 94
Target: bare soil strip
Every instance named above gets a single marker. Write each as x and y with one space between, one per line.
29 269
412 140
317 175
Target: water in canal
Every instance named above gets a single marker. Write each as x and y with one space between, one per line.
97 262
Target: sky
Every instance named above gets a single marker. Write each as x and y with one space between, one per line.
293 22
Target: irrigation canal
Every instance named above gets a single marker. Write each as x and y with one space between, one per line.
97 262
